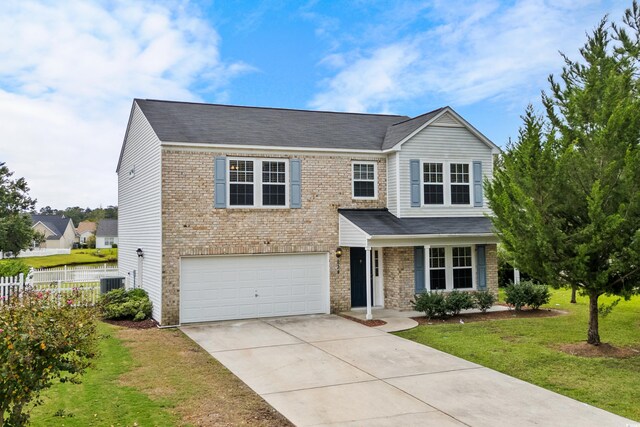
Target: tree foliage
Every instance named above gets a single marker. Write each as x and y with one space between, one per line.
15 225
42 338
566 195
78 214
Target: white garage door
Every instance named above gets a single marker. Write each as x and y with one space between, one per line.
243 287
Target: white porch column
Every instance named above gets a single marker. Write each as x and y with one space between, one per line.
427 276
516 276
368 281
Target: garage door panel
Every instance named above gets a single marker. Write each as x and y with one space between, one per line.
225 287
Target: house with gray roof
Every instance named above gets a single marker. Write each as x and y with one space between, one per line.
58 230
231 212
107 233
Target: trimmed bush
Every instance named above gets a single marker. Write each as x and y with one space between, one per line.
527 294
13 267
431 303
132 304
484 300
457 301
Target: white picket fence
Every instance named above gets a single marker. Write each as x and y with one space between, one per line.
72 274
65 282
43 252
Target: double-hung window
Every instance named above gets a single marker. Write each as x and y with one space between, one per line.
258 182
437 269
273 183
459 183
241 182
462 268
364 180
433 183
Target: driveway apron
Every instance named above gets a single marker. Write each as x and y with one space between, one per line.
327 371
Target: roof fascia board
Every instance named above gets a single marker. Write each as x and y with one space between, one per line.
427 236
126 133
45 226
267 147
494 148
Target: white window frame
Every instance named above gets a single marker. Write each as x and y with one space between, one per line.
375 180
446 171
443 183
257 182
448 263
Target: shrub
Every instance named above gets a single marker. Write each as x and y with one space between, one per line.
457 301
431 303
527 294
13 267
114 246
42 338
484 300
131 304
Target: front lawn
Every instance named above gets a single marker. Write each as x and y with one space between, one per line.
153 377
77 257
529 349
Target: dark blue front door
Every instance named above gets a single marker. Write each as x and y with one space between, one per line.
358 278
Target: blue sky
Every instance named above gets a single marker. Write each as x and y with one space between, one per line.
69 70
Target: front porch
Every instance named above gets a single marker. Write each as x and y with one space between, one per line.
408 256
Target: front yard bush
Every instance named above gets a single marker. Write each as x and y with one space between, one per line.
43 337
527 294
132 304
484 300
457 301
13 267
433 304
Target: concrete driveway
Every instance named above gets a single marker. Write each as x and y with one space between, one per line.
326 370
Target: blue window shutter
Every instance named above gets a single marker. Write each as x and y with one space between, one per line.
414 169
220 182
418 268
295 178
481 267
477 184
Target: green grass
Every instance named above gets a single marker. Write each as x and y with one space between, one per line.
528 349
100 400
77 256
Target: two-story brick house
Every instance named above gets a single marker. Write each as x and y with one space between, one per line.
243 212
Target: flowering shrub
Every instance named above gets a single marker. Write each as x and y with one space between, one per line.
43 338
133 304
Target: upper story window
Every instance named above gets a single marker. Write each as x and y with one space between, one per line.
364 180
460 183
433 184
266 188
446 183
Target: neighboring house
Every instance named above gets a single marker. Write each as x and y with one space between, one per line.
85 230
243 212
58 230
107 233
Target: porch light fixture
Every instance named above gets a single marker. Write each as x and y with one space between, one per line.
140 253
338 252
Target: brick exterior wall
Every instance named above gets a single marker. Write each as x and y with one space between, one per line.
399 279
191 226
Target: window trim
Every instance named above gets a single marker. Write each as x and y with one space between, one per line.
448 265
375 179
446 168
257 182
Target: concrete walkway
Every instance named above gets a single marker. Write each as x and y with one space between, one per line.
326 370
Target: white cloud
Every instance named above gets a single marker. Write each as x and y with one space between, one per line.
475 51
68 73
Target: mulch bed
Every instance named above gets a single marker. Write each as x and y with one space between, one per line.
495 315
583 349
143 324
370 323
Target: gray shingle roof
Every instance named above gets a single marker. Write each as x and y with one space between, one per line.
399 131
107 228
55 223
234 125
381 222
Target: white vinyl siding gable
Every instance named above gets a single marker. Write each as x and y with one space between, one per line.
139 208
350 235
445 144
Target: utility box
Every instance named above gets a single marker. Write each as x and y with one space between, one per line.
110 283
